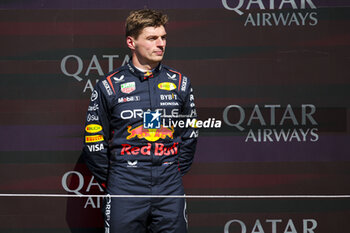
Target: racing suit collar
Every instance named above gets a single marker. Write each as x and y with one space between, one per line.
144 75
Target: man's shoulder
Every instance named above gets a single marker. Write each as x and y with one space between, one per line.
109 82
178 77
172 70
114 73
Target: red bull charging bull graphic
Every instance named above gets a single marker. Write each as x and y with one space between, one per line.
150 135
151 130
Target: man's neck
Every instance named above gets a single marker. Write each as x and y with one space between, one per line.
143 66
142 70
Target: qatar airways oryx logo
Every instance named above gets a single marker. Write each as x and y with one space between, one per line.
274 12
74 66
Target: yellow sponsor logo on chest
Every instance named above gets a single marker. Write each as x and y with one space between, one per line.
167 86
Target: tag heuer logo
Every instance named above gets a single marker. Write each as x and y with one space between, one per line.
128 87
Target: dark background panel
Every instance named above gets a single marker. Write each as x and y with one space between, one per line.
43 110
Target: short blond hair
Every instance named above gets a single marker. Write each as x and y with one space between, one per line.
139 19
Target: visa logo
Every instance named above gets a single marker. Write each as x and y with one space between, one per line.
95 148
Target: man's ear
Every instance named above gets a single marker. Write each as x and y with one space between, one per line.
130 42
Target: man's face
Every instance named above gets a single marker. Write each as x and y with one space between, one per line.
149 47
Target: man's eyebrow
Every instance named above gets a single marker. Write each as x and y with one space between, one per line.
153 35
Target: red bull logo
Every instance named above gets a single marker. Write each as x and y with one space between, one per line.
134 150
150 135
159 149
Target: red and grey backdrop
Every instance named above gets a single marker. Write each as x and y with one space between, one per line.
279 68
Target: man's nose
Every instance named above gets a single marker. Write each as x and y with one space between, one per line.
160 42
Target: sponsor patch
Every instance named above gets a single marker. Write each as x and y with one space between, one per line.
194 134
167 86
159 149
128 87
94 95
132 164
169 104
93 108
93 128
108 88
184 84
95 148
94 138
119 80
130 68
168 97
150 135
148 73
91 117
172 77
128 99
167 163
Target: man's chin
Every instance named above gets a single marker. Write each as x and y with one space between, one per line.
157 58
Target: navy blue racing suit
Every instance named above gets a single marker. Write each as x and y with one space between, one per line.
139 140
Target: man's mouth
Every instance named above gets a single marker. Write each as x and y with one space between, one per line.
159 52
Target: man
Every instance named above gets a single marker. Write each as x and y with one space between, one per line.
131 145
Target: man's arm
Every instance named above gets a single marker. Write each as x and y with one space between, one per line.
190 134
96 135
